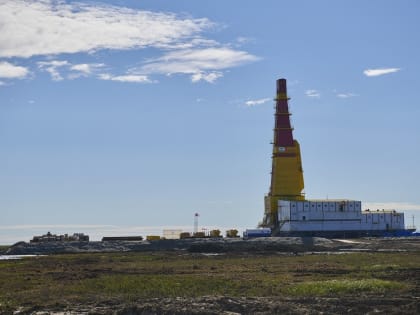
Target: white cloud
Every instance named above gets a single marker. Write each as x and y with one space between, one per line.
312 93
56 68
195 42
52 27
257 102
379 71
209 77
201 64
48 27
52 68
391 205
345 95
86 67
125 78
10 71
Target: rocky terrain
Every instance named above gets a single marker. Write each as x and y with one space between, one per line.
211 305
278 244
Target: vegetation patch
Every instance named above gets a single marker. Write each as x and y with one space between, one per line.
344 286
79 279
381 267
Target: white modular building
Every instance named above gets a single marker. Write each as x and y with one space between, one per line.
335 217
171 234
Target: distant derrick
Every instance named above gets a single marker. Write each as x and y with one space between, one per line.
287 173
288 213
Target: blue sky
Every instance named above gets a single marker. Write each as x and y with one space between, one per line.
124 117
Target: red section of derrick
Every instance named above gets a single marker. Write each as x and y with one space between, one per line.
283 136
283 120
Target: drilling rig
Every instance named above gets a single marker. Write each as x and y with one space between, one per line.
286 173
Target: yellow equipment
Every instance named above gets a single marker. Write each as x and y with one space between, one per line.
232 233
215 233
153 237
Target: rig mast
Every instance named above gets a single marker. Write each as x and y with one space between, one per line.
287 173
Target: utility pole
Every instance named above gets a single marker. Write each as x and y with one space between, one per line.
196 215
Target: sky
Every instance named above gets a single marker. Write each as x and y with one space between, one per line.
127 117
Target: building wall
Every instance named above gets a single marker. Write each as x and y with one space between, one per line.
334 215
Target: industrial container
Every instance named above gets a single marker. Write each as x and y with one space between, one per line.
185 235
199 235
264 232
215 233
232 233
153 237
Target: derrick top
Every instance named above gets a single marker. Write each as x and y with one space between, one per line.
281 87
283 136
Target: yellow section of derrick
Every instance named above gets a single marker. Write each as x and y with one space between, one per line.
282 96
287 177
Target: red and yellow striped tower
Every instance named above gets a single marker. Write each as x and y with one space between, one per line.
287 173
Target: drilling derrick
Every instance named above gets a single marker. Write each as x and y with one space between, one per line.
286 173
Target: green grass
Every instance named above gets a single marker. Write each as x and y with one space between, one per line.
146 286
155 286
125 277
344 286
